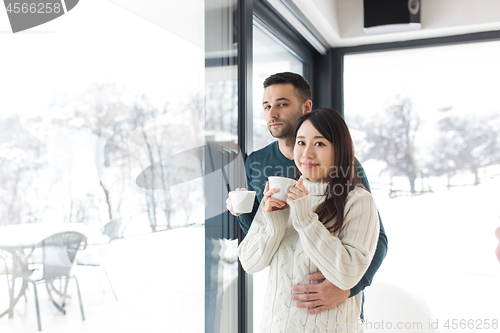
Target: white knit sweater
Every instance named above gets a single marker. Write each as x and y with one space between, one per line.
294 243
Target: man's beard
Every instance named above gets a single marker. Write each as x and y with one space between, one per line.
283 132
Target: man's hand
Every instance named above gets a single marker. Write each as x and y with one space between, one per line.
229 204
321 297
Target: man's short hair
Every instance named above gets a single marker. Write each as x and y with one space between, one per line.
303 88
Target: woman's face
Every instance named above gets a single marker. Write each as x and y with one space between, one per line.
313 154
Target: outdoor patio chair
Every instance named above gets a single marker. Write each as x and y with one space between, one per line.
58 254
95 253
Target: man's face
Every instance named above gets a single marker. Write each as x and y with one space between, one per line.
281 109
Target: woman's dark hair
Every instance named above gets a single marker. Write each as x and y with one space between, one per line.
343 179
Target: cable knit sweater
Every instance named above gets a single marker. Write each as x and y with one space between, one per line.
294 243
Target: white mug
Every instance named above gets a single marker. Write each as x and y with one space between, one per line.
283 184
242 201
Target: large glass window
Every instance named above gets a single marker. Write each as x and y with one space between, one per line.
89 103
425 124
270 56
224 170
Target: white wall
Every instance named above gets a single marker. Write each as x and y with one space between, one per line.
174 16
341 21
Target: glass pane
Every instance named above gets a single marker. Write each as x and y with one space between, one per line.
89 103
221 245
425 124
270 56
221 168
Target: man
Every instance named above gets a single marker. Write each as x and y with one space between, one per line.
287 96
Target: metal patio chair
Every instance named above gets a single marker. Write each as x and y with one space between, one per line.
58 254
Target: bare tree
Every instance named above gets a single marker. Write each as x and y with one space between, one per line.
467 143
132 133
219 112
392 139
21 162
160 138
101 110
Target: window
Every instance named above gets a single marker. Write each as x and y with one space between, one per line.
87 106
425 124
270 56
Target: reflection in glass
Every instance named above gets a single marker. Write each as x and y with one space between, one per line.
223 167
84 111
270 56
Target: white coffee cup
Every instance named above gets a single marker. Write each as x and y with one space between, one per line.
283 184
242 201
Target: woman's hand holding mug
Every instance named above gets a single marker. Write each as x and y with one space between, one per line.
272 204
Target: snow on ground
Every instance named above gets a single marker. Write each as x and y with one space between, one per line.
159 281
442 245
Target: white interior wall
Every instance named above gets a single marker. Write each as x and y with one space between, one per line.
174 16
341 21
323 14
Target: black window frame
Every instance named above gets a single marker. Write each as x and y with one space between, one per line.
269 18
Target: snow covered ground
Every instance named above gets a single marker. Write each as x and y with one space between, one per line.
442 245
159 281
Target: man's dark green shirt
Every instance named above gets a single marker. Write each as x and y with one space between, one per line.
269 161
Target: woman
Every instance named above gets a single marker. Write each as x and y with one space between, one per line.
328 224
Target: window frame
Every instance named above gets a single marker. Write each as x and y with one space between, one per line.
270 19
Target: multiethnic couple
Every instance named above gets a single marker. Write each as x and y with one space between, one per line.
325 242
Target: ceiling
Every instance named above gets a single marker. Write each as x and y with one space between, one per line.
340 22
